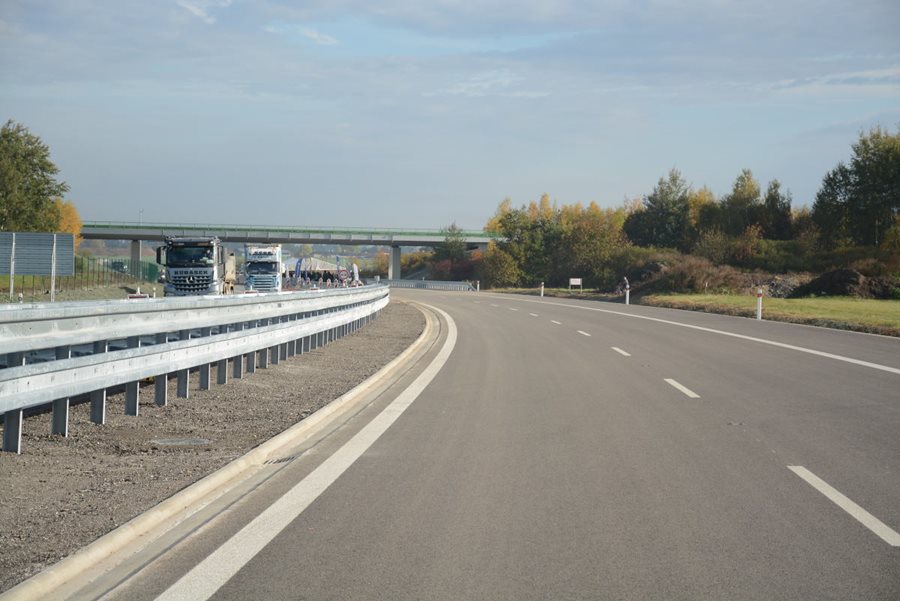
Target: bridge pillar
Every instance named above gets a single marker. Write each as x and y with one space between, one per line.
394 265
136 259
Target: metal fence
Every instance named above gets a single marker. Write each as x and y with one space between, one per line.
90 273
430 285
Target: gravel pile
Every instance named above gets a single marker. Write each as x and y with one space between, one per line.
63 493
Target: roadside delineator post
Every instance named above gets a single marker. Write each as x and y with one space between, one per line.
627 292
542 289
759 295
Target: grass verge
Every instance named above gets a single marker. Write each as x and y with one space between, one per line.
845 313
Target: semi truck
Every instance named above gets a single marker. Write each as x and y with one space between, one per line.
196 266
263 268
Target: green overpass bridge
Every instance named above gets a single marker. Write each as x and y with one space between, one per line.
266 234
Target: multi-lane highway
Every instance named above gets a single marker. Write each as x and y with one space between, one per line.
556 449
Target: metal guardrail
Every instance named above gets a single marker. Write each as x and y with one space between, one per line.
430 285
57 352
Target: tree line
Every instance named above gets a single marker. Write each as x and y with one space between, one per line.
856 214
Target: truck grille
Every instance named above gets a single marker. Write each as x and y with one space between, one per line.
192 280
263 284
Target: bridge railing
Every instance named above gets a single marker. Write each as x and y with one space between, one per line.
57 352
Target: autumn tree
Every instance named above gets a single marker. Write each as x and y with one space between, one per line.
27 182
69 220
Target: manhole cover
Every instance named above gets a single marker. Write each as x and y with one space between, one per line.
180 442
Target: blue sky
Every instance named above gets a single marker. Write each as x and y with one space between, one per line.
412 113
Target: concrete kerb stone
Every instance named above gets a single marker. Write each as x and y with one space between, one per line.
177 508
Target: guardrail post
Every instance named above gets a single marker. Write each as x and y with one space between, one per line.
133 389
263 359
251 361
98 397
275 354
204 375
60 415
222 372
184 380
237 366
161 389
12 431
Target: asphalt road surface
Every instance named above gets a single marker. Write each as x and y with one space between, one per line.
556 449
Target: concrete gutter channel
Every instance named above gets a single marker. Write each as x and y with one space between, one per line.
68 575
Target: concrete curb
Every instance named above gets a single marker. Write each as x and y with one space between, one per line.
178 507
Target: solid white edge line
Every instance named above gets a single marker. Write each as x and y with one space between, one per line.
207 577
620 351
687 391
865 518
878 366
584 333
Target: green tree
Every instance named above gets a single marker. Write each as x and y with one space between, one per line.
664 219
776 213
742 207
27 183
860 201
454 246
498 269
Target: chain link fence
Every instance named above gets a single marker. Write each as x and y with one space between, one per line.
95 277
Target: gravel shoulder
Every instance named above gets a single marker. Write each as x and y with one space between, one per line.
63 493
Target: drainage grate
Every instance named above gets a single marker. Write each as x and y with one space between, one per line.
281 460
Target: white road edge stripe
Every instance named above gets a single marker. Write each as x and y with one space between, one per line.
864 517
887 368
620 351
683 389
208 576
584 333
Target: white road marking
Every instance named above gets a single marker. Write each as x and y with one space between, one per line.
690 393
493 305
887 368
513 309
584 333
208 576
620 351
862 516
559 323
533 314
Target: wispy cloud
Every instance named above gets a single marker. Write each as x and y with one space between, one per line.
318 37
201 8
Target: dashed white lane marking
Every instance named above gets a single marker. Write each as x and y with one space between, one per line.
687 391
861 515
513 309
212 573
559 323
534 314
493 305
887 368
620 351
584 333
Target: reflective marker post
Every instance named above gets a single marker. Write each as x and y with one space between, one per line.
759 295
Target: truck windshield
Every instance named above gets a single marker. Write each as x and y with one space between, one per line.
186 256
262 268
